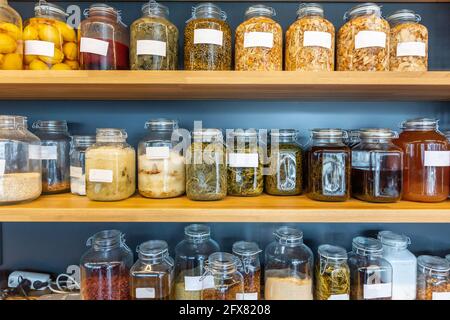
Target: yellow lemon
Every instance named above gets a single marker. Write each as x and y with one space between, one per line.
70 50
72 64
12 61
49 33
58 57
11 29
7 44
29 58
61 66
67 32
1 58
30 33
38 65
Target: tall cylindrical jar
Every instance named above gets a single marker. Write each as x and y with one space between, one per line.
11 43
78 163
433 282
250 268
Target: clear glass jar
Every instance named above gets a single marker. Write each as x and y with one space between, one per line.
332 274
289 267
105 267
310 41
250 268
403 262
259 41
151 277
426 161
207 39
370 274
328 164
11 43
154 40
78 163
433 282
408 42
161 169
20 162
363 41
191 256
50 43
377 167
103 39
55 155
110 167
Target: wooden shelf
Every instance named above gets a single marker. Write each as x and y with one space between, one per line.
71 208
224 85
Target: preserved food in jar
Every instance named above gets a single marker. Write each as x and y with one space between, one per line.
207 39
310 41
363 41
250 268
433 278
78 163
11 43
259 41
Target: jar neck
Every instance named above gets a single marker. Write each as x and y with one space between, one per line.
281 139
13 123
111 136
316 141
197 239
259 11
107 240
154 9
377 140
309 10
208 11
158 259
363 10
368 253
95 13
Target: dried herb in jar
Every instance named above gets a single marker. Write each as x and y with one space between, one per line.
105 282
332 281
223 292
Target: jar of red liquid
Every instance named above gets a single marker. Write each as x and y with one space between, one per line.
103 39
426 161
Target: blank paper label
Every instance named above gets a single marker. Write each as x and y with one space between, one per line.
416 49
145 293
94 46
243 160
437 159
156 153
99 175
339 297
34 152
440 296
317 39
196 283
258 39
151 47
208 36
2 166
368 39
48 153
247 296
39 48
379 290
76 172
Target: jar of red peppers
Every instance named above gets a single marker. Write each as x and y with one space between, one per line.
250 268
433 282
105 267
103 39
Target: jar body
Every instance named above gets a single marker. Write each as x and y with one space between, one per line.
404 273
225 287
251 273
431 284
332 280
78 169
11 38
151 280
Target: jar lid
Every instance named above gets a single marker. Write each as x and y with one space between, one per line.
197 231
283 133
365 245
44 7
153 249
106 238
14 121
208 9
50 125
377 133
101 7
403 15
223 262
329 133
245 248
260 10
433 263
309 9
331 252
420 123
243 133
391 239
83 140
153 7
363 9
161 124
287 235
111 133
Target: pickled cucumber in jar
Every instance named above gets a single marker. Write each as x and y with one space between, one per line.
11 45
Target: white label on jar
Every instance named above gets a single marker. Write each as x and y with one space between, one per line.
317 39
437 159
247 296
368 39
2 166
155 153
334 174
76 172
258 39
415 49
34 152
48 153
100 175
94 46
243 160
196 283
378 290
145 293
360 159
440 296
151 47
344 296
39 48
208 36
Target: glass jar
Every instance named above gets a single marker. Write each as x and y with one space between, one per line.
50 43
332 274
433 281
310 41
191 256
377 166
250 268
207 39
151 277
425 161
55 155
286 158
105 267
161 169
259 41
363 41
370 274
110 167
408 42
403 262
103 39
77 163
289 267
20 162
328 163
206 171
11 43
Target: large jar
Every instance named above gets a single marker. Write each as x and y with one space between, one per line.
433 282
377 167
154 40
259 41
55 155
310 41
78 163
50 43
191 256
403 262
161 168
151 277
110 167
370 274
426 161
105 267
363 41
20 161
408 42
250 268
103 39
289 267
207 39
11 43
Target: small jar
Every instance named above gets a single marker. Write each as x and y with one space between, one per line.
151 277
259 41
250 268
161 168
105 267
55 155
103 39
207 39
433 278
78 162
377 167
110 167
310 41
408 42
11 43
363 41
154 40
